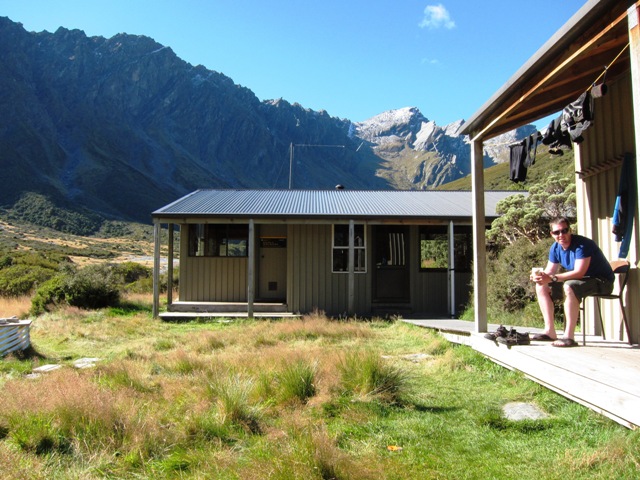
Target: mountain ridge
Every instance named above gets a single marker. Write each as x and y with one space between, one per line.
121 126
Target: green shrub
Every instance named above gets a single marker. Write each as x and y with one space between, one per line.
95 286
508 284
5 261
132 271
17 280
49 293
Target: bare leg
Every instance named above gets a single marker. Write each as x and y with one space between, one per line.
543 292
571 311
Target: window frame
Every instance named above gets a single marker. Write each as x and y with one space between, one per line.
213 240
462 247
342 248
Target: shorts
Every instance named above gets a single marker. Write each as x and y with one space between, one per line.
582 288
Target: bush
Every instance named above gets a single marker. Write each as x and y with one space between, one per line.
132 272
508 284
50 293
17 280
95 286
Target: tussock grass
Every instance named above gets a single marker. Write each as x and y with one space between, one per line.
18 306
297 381
310 398
232 396
364 373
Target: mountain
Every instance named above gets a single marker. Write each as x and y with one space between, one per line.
116 128
417 153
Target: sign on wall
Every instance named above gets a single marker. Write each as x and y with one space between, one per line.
273 242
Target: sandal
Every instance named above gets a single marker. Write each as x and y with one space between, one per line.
565 342
543 337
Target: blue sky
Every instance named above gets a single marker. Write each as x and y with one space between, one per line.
353 58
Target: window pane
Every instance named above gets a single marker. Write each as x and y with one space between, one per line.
434 247
360 260
196 240
391 246
341 235
237 241
340 259
463 248
213 240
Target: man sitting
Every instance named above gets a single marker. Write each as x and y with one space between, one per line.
586 271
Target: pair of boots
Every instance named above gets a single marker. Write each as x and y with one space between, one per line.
508 337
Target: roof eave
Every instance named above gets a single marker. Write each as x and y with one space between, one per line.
545 55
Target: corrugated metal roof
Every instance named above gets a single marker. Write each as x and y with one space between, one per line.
329 203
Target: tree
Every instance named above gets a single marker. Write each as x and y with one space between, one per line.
528 216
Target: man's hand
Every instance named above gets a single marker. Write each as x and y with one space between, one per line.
540 277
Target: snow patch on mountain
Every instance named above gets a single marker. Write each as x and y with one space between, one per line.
397 123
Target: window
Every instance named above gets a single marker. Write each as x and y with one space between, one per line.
434 248
390 245
218 240
341 248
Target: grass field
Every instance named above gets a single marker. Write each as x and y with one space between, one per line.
310 398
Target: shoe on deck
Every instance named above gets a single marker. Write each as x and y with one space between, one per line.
515 338
500 332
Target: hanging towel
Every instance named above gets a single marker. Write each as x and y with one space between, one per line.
625 206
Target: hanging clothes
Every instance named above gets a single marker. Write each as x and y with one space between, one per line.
625 206
521 158
568 127
577 116
555 137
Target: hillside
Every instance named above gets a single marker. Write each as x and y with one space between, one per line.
497 176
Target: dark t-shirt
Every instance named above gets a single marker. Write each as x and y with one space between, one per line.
582 247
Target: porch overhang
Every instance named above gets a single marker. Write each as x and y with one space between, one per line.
560 71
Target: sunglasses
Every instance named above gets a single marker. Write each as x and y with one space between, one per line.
564 231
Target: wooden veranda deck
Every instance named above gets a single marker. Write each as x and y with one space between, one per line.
602 375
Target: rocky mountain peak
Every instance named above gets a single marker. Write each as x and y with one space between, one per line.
399 123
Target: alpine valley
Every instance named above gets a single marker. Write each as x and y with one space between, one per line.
116 128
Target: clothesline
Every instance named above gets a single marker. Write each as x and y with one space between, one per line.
600 76
604 73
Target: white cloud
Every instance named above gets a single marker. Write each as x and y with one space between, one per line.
436 16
